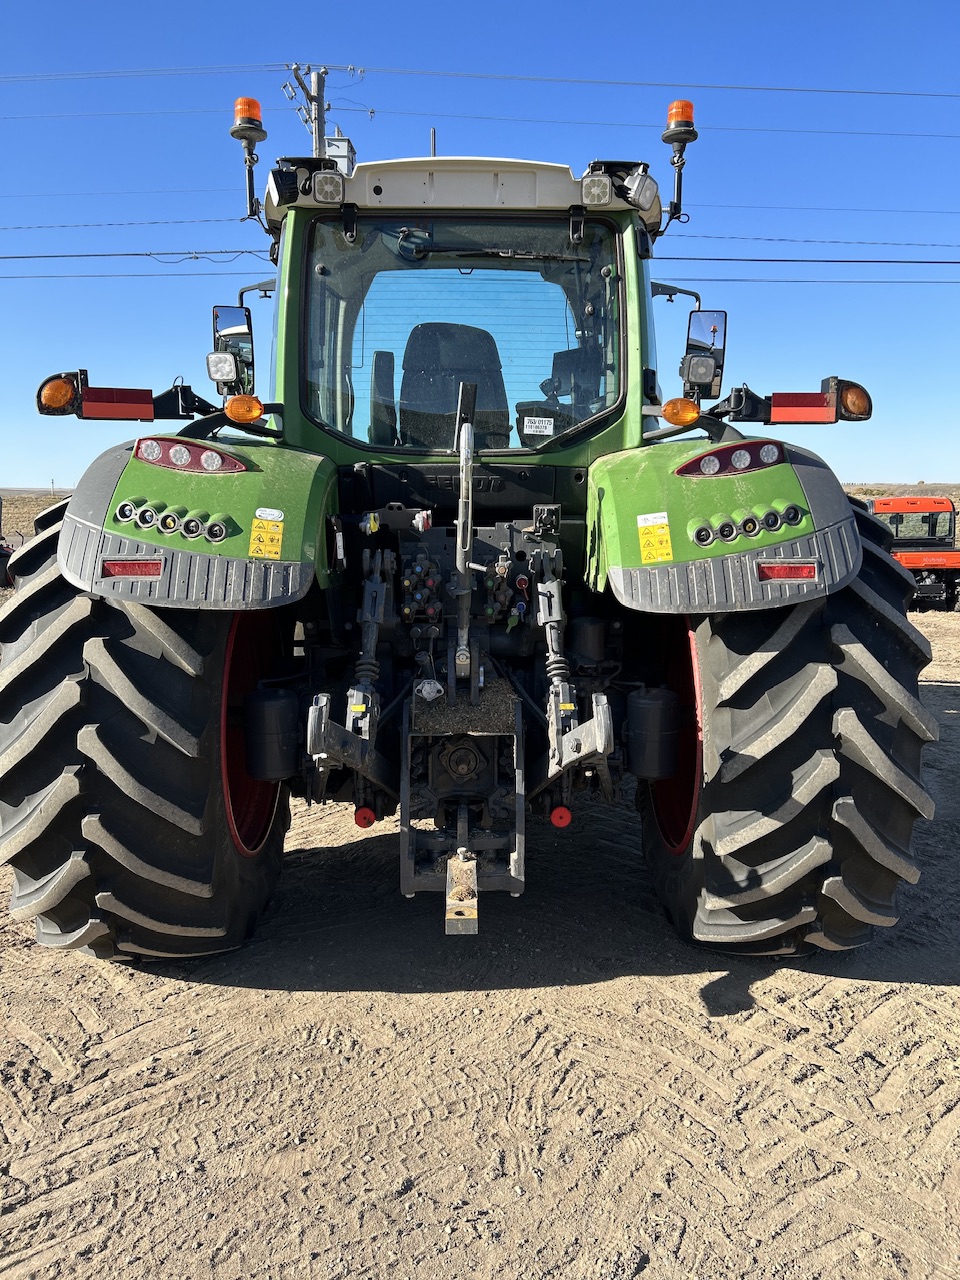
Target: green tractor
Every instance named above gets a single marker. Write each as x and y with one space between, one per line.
460 563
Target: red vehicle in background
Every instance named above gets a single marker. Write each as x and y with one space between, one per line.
924 541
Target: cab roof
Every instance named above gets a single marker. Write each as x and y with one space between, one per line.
474 183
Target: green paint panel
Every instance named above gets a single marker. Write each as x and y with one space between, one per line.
640 512
301 487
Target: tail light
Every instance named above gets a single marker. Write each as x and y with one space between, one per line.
180 455
787 570
734 459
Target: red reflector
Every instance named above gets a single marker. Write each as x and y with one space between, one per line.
364 817
116 402
131 569
803 406
561 816
780 571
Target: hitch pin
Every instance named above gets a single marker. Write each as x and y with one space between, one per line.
461 914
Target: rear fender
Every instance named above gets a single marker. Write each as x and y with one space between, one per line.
274 515
642 519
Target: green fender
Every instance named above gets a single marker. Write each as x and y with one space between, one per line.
642 519
273 515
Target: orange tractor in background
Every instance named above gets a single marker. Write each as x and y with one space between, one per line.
924 541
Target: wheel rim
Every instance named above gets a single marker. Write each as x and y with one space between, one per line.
249 803
676 799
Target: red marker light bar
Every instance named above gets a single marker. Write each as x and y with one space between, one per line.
803 406
116 402
131 568
788 570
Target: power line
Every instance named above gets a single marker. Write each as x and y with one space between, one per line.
335 109
263 68
636 124
181 255
813 208
686 235
170 191
657 84
833 262
899 244
169 275
127 275
254 68
196 254
774 280
77 226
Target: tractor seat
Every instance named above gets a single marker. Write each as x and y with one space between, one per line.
437 358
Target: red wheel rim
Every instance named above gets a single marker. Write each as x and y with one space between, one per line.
676 799
249 803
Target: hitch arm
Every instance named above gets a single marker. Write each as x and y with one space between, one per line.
332 745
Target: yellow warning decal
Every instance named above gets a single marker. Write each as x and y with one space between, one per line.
654 532
266 539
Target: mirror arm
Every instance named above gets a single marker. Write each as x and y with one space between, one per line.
743 405
718 432
670 291
206 427
180 401
264 287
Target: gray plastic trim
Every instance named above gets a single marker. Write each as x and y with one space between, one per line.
187 581
731 583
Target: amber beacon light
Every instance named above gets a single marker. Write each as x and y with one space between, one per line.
680 123
248 121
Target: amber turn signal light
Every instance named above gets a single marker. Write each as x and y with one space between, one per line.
855 402
57 393
681 412
242 409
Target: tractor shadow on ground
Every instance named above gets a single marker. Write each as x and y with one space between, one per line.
589 914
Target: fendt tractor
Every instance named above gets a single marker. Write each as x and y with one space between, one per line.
461 564
925 542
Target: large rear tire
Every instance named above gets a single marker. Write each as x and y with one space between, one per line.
789 822
126 812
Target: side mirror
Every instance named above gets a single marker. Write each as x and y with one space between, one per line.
702 365
230 364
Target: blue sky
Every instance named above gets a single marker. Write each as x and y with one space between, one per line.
137 163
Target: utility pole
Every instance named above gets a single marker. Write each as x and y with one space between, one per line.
314 114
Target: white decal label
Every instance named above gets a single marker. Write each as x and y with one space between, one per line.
268 513
538 426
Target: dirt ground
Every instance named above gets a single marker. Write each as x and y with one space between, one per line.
572 1094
